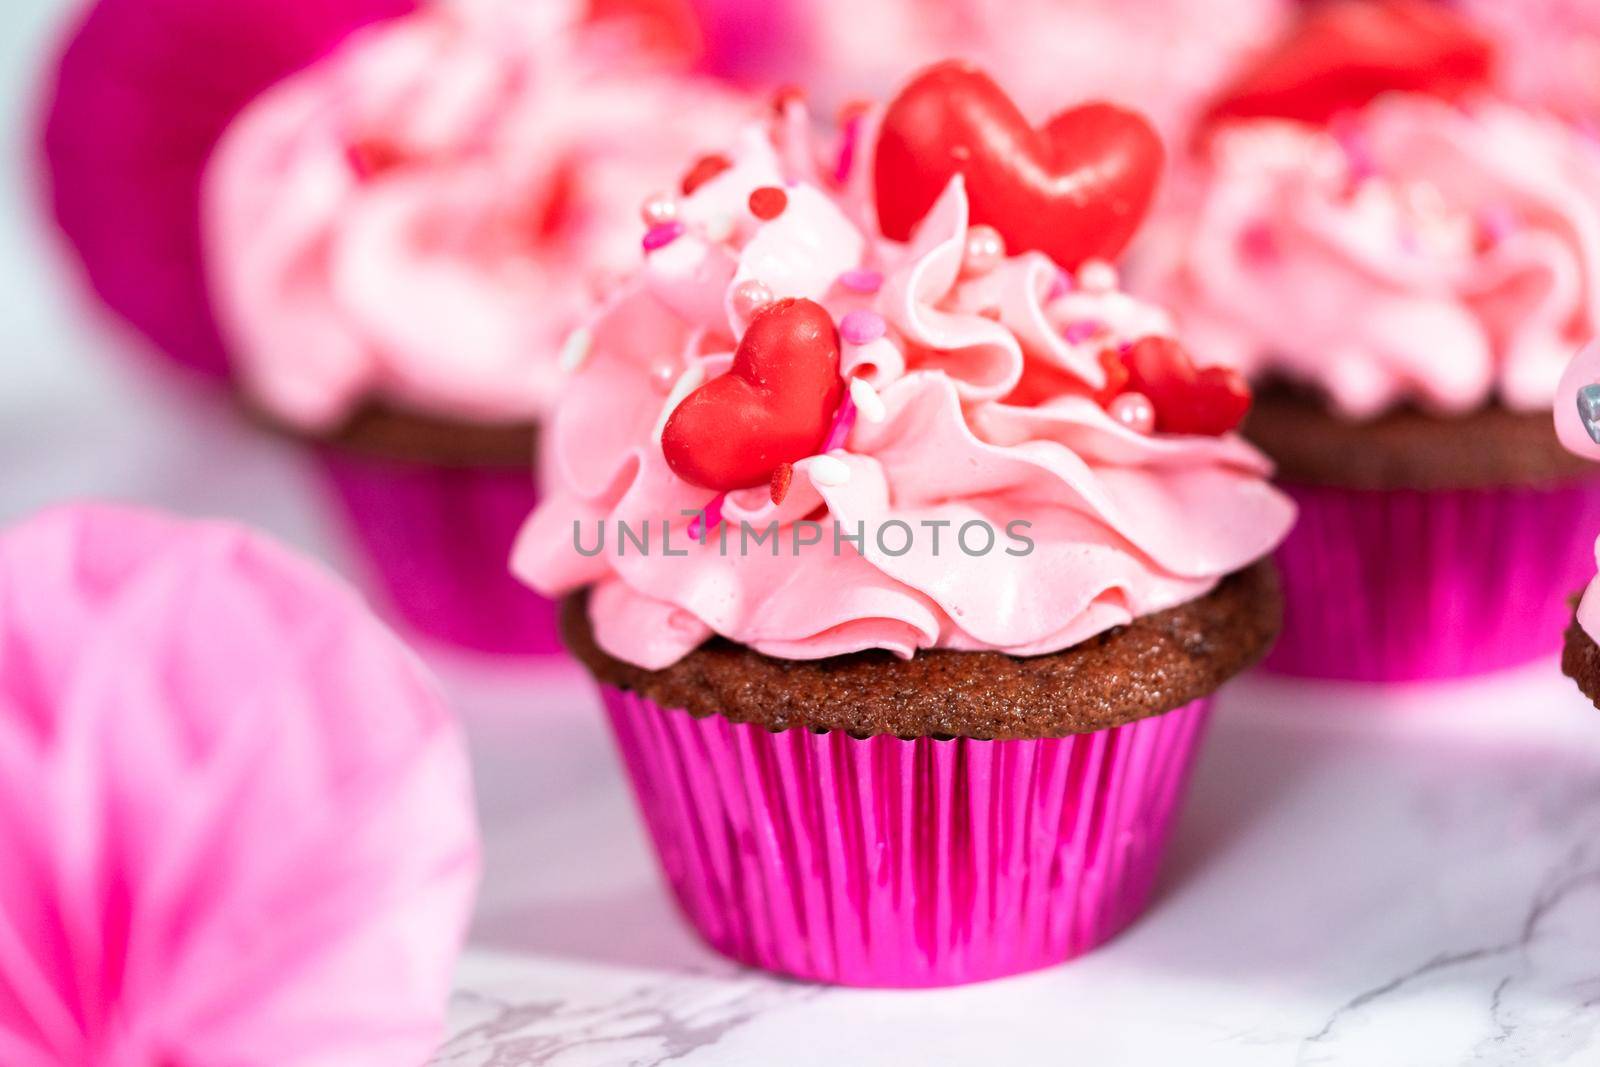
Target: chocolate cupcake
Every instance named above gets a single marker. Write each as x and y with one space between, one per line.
400 240
1403 261
908 550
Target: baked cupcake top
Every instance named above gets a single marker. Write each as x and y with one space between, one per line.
1365 217
420 218
917 343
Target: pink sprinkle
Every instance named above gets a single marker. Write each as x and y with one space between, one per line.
844 420
712 513
1060 287
847 151
1497 223
663 235
1082 330
862 327
861 280
1356 152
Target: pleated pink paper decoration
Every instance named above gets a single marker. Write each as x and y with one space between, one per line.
139 95
235 818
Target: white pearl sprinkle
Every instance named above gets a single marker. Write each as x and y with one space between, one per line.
576 348
1097 276
867 400
687 382
827 470
718 228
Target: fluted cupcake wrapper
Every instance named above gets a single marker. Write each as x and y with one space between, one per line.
438 540
888 862
1401 585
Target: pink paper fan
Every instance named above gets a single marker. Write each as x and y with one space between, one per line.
235 818
140 94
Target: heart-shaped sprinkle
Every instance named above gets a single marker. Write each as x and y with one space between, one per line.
1344 53
1075 189
773 406
1186 400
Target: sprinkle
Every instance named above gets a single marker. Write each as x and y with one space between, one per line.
1060 287
1097 276
782 477
861 280
705 168
687 382
862 327
1082 330
661 236
718 228
575 350
844 420
749 297
867 400
768 202
848 141
1589 410
1357 153
712 513
658 209
1134 411
985 249
372 157
829 470
1497 223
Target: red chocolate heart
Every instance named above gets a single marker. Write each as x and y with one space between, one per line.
1211 401
774 406
1343 53
1076 189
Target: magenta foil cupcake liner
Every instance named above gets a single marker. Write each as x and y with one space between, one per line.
888 862
1400 585
438 541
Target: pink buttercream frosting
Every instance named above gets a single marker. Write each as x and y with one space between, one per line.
1549 51
1417 252
1123 523
422 217
1570 428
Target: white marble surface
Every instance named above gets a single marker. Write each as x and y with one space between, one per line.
1409 878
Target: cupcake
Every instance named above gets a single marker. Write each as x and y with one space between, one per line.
124 137
400 240
1578 426
1402 262
907 549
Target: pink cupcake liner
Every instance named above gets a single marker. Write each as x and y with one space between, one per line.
888 862
439 541
1400 585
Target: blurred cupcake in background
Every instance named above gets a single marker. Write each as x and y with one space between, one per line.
399 241
1550 52
1403 261
133 106
934 724
1165 58
1577 416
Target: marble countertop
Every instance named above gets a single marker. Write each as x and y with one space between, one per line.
1408 878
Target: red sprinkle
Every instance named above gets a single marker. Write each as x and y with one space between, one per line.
785 96
768 202
372 157
705 168
782 476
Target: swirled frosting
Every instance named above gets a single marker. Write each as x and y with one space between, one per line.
1572 429
1418 252
422 216
984 382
